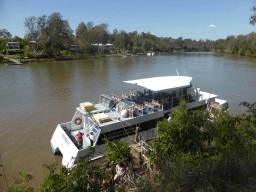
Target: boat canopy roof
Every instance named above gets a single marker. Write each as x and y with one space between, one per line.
162 83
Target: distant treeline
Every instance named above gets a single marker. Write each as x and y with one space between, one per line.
54 37
241 45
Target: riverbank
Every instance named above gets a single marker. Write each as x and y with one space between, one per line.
44 59
25 60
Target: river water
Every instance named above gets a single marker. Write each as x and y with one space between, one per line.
35 97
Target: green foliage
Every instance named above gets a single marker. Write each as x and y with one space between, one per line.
5 34
78 178
20 183
27 52
219 157
2 45
65 53
51 32
252 20
117 151
183 134
242 45
22 42
251 107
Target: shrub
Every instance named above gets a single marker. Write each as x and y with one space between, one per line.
27 52
117 152
65 53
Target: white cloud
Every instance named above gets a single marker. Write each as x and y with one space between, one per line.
212 26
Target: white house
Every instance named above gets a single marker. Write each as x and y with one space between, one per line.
101 45
12 46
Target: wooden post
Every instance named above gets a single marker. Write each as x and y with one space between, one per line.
136 134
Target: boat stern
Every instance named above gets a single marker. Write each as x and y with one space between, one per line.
60 141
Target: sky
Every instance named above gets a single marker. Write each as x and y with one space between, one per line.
195 19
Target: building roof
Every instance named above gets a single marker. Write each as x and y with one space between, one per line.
162 83
12 42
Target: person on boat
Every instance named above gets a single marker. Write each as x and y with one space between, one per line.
91 138
169 117
80 139
120 171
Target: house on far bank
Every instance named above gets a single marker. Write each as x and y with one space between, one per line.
12 46
101 45
110 45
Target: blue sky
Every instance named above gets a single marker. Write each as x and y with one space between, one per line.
195 19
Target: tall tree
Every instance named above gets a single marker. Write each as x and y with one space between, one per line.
4 33
100 34
51 31
32 32
82 36
252 20
81 30
121 39
89 26
56 31
41 24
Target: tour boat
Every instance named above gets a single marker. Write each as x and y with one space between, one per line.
126 116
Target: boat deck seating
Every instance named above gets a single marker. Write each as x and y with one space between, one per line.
138 104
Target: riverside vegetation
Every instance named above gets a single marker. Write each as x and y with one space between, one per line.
194 152
55 40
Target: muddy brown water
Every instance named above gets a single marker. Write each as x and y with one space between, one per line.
35 97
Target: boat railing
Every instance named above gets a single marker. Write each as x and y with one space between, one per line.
148 135
151 101
66 126
90 126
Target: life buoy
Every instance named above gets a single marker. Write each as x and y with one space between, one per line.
78 121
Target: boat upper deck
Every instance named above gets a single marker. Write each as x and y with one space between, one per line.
115 115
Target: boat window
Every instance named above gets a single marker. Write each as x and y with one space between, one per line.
106 101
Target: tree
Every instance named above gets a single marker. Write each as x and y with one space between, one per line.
2 45
89 26
32 32
51 31
115 32
5 34
55 32
81 30
100 34
117 151
82 36
182 134
231 44
121 40
82 177
57 29
252 20
41 24
219 45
